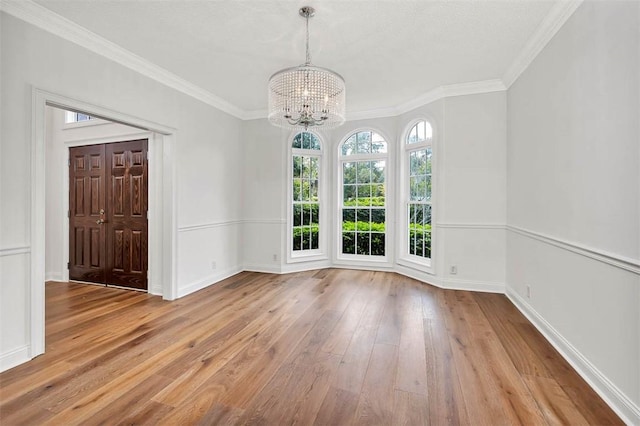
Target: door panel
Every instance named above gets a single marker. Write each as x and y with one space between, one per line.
108 202
127 238
87 257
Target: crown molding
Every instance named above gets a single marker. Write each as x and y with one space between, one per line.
45 19
442 92
558 15
41 17
451 90
255 114
372 113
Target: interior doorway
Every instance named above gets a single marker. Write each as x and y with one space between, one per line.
108 205
162 276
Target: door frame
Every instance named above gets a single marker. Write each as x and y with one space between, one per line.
162 204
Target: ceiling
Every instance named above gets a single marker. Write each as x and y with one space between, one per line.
388 51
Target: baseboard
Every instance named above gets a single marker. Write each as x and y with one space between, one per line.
53 276
305 266
418 275
207 281
616 399
448 283
14 358
155 290
266 269
471 285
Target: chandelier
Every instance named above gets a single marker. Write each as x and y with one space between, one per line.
306 96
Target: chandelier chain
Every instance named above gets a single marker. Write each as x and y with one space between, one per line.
308 57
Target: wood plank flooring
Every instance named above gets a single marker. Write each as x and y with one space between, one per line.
329 347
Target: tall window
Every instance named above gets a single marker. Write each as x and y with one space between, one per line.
363 158
305 210
418 149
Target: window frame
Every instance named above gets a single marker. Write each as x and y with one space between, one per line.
93 121
404 257
294 256
358 259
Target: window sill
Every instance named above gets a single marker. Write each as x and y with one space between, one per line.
424 266
355 260
307 257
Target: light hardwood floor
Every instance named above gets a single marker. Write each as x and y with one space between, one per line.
322 347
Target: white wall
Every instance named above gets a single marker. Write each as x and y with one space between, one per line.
574 196
470 207
208 160
264 202
470 182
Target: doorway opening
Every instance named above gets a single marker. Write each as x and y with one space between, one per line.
162 227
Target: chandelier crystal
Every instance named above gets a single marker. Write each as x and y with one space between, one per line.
306 96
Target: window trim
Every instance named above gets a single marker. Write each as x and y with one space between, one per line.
321 252
355 259
404 258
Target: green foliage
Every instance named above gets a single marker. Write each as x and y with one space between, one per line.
306 214
305 178
359 172
420 174
299 230
306 140
364 143
422 228
364 243
420 240
363 226
306 237
419 213
365 201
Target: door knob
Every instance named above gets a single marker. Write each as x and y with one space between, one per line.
100 221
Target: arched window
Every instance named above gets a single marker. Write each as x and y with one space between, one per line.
417 191
363 161
306 156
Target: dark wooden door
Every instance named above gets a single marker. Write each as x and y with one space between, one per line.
121 220
127 214
87 199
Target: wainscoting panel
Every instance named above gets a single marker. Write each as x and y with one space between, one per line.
14 303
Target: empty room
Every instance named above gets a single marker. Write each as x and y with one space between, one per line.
385 212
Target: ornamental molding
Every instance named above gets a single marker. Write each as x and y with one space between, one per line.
45 19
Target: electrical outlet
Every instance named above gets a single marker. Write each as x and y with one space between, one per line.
275 257
213 264
528 292
453 269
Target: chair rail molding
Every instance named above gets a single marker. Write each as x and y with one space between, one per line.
622 262
14 251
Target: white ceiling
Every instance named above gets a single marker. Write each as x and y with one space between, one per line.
389 51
